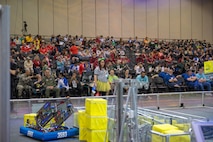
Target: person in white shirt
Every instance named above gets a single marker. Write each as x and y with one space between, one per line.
139 68
63 84
28 64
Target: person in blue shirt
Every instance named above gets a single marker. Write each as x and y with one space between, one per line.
192 81
202 79
143 81
63 84
164 74
171 81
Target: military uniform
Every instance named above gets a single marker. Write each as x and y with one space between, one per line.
24 83
50 81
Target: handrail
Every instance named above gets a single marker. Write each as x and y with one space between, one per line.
161 113
111 96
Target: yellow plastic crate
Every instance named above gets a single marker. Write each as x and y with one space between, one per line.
30 119
97 136
75 123
179 138
82 134
163 127
96 107
82 119
184 126
96 122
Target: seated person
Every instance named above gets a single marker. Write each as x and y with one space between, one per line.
24 83
192 81
50 84
202 79
75 85
126 75
63 84
163 74
143 81
111 78
172 81
38 85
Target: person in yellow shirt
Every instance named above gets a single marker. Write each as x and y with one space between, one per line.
29 38
111 78
36 45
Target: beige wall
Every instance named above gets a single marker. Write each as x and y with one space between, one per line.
170 19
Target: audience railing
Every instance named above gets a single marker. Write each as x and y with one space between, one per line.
158 100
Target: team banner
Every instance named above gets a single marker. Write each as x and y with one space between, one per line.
208 67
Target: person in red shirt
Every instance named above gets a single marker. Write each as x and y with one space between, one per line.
74 50
81 68
25 48
49 47
94 60
43 50
12 43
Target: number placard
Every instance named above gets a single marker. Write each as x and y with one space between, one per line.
62 134
30 133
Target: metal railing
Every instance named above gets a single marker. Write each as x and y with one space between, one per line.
159 100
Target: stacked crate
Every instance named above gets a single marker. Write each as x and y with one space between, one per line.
93 121
82 125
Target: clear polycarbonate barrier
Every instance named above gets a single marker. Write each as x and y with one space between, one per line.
19 107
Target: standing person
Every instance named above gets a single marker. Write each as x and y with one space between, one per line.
13 77
101 78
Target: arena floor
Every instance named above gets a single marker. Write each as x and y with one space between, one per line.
168 104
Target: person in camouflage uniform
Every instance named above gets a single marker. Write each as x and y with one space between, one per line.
50 84
24 83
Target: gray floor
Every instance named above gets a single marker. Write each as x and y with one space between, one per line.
206 112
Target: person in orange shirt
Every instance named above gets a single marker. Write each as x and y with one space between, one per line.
74 50
146 41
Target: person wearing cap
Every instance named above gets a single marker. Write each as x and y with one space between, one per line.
101 78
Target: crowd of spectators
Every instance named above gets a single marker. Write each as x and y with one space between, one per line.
57 66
